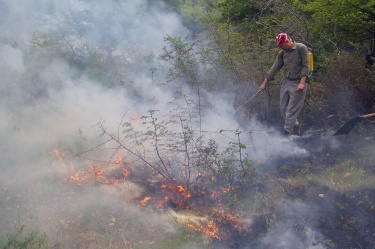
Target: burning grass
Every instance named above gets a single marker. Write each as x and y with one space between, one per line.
121 205
202 210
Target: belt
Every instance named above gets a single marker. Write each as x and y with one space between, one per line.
292 78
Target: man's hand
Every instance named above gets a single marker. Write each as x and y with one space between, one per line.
263 86
302 84
300 87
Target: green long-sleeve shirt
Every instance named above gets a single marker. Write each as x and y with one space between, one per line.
295 62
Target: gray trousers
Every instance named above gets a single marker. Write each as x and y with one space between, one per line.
291 102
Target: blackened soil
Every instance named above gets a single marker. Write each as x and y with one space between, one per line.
341 220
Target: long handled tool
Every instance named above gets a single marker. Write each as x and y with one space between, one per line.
348 126
246 101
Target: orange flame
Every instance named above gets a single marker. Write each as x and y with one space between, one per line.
183 191
125 173
100 173
179 188
145 200
209 231
78 177
117 158
58 154
161 204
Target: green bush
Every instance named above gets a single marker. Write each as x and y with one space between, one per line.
22 239
345 88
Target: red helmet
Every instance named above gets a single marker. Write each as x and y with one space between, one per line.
281 38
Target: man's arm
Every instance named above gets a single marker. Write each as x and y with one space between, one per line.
279 63
304 53
305 67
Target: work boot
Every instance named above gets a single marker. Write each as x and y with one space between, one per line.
296 129
286 133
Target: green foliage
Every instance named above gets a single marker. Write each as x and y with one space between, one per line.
264 19
240 10
194 12
338 23
347 87
22 239
230 165
174 5
180 55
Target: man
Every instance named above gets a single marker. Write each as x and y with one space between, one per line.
294 58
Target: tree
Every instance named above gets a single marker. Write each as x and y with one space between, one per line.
340 23
180 55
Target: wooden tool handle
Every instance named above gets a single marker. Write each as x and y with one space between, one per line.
368 115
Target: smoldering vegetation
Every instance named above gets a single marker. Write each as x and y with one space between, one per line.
105 145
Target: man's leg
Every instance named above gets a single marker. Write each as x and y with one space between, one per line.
284 97
294 108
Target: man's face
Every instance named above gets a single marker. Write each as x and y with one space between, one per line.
285 46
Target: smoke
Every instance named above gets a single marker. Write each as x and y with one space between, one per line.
294 228
46 104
